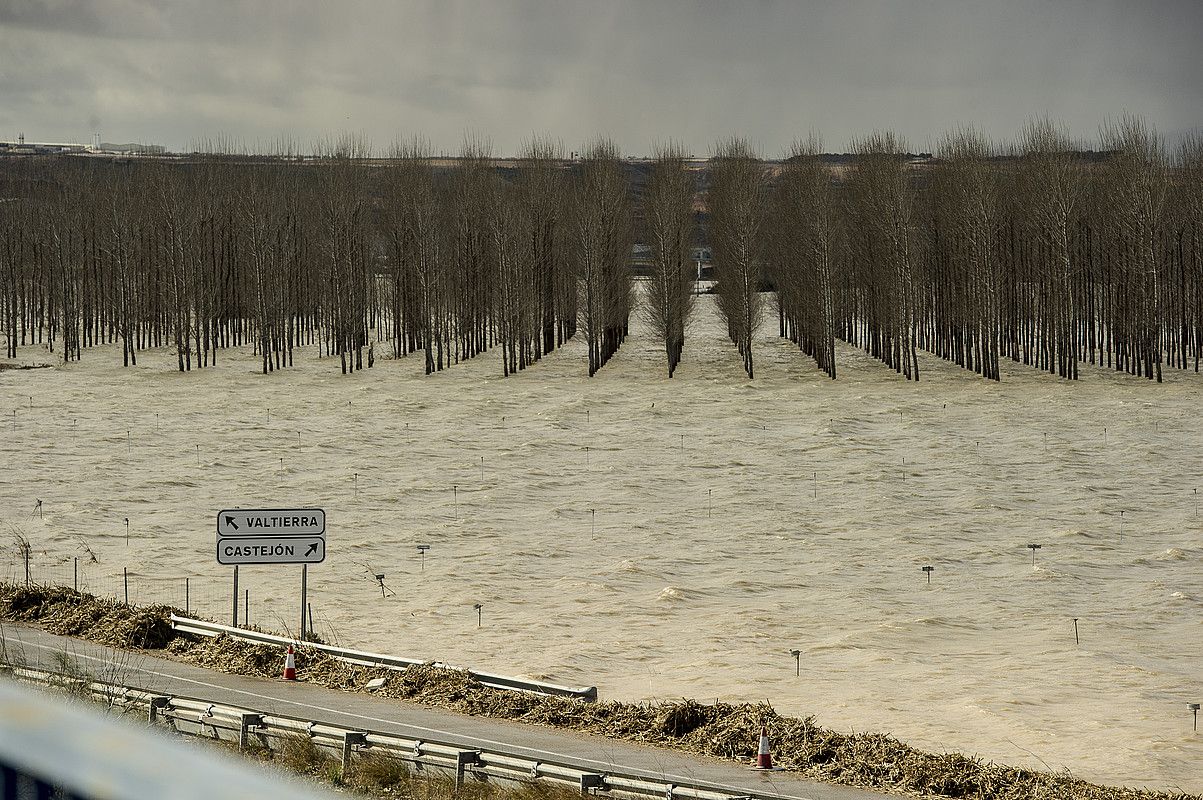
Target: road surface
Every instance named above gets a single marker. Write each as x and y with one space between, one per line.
384 715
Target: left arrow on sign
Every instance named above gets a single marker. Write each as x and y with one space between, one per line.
230 521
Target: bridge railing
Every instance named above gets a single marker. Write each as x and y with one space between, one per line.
200 717
50 747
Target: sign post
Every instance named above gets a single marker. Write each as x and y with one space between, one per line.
304 593
272 536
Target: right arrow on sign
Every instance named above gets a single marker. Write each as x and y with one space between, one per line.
312 549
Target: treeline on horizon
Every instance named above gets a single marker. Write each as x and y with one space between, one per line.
1037 251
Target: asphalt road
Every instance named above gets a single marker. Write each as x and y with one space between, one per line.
366 712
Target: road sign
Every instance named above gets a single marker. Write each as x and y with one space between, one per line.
271 522
271 549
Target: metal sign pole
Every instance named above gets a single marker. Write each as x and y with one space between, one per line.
235 614
304 590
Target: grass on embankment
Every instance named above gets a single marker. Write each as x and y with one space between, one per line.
730 731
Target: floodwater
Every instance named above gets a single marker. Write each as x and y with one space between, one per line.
666 538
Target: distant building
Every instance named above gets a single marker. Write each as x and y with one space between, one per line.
24 148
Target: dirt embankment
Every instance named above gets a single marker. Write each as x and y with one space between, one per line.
868 760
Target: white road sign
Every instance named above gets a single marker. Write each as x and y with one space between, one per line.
271 522
271 549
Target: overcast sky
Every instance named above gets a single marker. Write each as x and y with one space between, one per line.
641 72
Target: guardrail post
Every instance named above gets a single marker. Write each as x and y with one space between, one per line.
156 703
245 723
462 759
350 739
591 780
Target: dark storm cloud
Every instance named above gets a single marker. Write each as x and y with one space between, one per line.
173 72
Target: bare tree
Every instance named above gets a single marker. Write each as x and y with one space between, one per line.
601 243
801 246
668 221
541 188
1050 181
882 252
737 198
961 312
1135 185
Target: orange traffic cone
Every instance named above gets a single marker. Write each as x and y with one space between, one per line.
764 759
290 665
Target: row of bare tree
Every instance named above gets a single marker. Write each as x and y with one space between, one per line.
450 258
1039 251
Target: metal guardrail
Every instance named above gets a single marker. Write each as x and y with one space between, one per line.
361 658
200 717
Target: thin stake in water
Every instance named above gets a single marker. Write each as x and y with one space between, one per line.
422 548
815 475
797 654
482 469
928 569
1076 640
1194 709
708 503
478 608
127 531
455 499
1121 526
593 523
1034 548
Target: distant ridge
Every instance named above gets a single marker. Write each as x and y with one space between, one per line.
132 147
